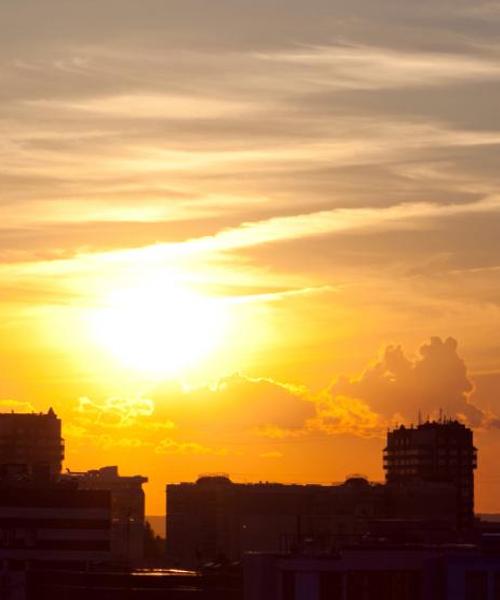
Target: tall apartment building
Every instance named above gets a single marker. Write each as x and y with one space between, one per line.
32 441
440 451
127 509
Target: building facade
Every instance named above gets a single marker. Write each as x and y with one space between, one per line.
215 519
53 524
32 442
127 509
435 452
375 573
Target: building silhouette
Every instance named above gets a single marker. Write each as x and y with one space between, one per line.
215 519
51 524
80 535
127 509
32 441
437 451
44 519
404 572
428 497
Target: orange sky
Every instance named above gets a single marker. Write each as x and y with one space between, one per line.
219 221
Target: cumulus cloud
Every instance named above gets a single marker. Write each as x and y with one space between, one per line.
338 414
115 411
398 387
395 388
237 403
239 410
233 406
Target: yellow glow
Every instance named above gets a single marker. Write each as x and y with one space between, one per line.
159 328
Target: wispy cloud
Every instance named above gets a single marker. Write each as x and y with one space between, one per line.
362 67
332 221
159 106
170 446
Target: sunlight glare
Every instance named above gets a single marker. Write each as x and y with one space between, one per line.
160 328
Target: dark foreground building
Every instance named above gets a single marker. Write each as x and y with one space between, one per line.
53 524
44 520
435 452
216 519
375 573
127 509
135 585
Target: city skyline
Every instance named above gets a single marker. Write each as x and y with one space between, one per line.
250 237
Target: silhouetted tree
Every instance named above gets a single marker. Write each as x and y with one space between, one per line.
154 545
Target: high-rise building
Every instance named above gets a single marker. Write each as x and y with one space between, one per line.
437 451
32 441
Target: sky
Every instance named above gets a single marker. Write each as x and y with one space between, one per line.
249 236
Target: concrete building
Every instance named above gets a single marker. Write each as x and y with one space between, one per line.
428 497
215 519
52 524
435 452
33 442
127 509
375 573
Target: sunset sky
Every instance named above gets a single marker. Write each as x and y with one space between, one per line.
249 235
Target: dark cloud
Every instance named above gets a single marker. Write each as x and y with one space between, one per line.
302 77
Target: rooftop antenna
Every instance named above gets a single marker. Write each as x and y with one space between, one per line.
441 415
419 417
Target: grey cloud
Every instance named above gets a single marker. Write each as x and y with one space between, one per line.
235 22
451 103
58 54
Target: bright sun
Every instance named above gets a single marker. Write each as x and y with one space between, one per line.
160 329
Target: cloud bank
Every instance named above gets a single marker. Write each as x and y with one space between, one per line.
394 389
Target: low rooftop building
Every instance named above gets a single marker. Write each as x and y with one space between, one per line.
127 509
